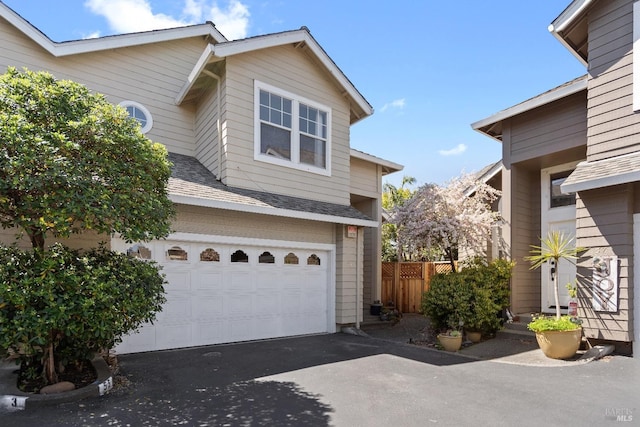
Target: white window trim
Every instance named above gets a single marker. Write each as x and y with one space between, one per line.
147 127
294 163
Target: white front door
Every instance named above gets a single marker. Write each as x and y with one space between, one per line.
558 212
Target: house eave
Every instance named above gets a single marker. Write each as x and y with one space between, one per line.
387 166
484 126
75 47
567 22
301 37
287 213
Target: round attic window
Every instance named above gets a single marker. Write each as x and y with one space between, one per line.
140 113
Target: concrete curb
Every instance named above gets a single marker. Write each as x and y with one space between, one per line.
14 399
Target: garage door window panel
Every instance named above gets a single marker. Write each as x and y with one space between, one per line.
291 259
266 258
313 260
239 256
209 255
139 251
176 253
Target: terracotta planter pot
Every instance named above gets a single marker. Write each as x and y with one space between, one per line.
559 344
474 336
450 343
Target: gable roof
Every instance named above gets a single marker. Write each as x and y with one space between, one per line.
387 166
301 38
492 125
75 47
191 183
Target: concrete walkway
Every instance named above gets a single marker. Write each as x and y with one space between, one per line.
514 348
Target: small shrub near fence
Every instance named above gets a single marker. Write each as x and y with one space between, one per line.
470 299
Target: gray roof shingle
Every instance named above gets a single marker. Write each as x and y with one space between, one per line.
603 173
190 178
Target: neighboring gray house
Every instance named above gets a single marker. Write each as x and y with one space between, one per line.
277 227
572 162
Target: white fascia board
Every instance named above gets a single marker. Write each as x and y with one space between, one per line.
287 213
271 40
29 30
569 48
393 167
539 101
135 39
567 16
108 42
195 72
600 182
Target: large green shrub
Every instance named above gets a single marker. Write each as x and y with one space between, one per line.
73 303
471 298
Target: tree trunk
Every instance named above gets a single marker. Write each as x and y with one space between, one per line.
554 278
449 254
49 361
37 239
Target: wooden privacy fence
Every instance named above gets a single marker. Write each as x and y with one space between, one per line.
403 283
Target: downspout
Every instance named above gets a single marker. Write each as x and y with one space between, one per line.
218 124
358 278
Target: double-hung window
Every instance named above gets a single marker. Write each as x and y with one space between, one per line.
291 131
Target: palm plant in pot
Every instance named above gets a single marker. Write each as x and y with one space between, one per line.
558 336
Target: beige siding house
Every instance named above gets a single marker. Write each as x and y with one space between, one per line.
277 227
572 162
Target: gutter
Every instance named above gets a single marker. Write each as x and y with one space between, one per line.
566 18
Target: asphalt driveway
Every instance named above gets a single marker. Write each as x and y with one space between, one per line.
346 380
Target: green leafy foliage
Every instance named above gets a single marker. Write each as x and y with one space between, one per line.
551 323
75 303
71 161
471 298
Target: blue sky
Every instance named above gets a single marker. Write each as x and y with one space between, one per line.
429 68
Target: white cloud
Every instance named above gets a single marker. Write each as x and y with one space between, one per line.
455 151
93 35
127 16
232 21
398 104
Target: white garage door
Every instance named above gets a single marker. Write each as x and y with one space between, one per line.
225 292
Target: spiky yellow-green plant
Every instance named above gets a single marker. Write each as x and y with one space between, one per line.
556 246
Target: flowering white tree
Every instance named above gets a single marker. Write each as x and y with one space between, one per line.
445 217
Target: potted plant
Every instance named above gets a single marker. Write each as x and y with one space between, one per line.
450 340
558 336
